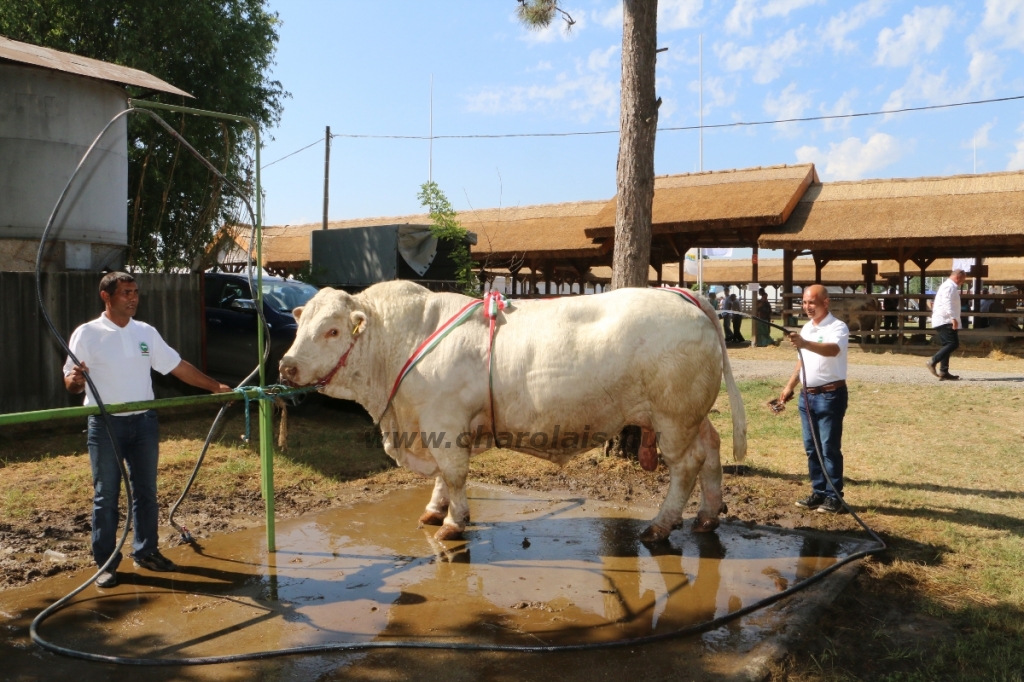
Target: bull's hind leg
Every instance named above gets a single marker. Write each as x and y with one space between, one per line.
711 504
454 468
438 507
684 463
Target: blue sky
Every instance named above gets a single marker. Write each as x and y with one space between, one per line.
365 68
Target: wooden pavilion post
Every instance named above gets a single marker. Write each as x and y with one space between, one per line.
788 256
900 308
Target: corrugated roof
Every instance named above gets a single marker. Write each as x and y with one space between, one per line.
957 213
56 60
743 198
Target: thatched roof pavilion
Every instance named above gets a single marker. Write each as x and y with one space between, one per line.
965 215
1001 271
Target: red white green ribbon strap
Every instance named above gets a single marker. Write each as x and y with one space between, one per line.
491 304
685 294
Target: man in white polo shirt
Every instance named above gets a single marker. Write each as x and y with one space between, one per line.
946 321
118 353
824 341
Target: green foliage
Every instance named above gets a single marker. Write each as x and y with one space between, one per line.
538 14
445 226
220 51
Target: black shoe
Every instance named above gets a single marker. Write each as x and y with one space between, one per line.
812 502
155 562
831 505
948 377
931 368
107 580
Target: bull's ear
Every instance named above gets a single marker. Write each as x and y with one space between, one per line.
358 322
297 313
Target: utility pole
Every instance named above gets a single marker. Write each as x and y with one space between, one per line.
327 172
700 130
430 153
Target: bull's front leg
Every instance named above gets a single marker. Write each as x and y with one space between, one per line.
454 466
438 507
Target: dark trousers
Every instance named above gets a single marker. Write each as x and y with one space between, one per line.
138 437
736 322
950 340
826 413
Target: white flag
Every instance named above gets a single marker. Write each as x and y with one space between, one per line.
718 253
964 264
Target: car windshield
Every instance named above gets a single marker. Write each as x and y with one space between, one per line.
286 296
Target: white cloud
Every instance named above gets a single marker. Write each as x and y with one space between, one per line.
1003 20
852 159
556 30
743 14
838 27
789 104
980 137
983 72
611 17
591 91
715 95
767 62
843 105
674 15
1017 158
921 31
921 86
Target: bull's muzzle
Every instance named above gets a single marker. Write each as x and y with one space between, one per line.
289 370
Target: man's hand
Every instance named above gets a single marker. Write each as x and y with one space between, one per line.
75 382
786 395
222 388
797 340
956 325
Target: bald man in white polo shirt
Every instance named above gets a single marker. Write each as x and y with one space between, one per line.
118 354
823 341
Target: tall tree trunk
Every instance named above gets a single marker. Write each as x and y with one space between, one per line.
638 122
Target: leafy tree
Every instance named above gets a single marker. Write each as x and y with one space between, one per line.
445 226
221 52
638 123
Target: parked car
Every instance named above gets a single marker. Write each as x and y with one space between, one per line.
232 323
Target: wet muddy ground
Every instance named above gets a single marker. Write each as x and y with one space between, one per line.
534 569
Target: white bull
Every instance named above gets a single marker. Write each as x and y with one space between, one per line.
567 374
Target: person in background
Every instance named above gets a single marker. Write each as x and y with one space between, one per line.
734 320
891 304
762 331
984 307
119 354
824 341
946 322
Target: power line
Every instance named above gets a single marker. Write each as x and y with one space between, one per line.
311 144
735 124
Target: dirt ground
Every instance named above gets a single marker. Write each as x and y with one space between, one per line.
945 602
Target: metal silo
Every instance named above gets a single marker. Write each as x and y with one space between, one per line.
52 106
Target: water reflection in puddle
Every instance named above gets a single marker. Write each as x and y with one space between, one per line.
533 569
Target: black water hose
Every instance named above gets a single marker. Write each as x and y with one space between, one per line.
354 646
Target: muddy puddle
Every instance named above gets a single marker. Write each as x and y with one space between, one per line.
534 569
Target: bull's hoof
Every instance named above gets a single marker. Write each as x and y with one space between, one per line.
705 524
448 533
655 534
430 518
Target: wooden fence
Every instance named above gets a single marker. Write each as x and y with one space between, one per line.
31 361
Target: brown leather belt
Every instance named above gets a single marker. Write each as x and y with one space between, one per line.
826 388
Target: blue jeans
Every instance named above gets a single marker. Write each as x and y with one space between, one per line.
827 410
138 436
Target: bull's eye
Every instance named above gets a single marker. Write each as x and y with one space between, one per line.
332 333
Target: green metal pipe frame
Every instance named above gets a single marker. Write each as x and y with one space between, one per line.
266 410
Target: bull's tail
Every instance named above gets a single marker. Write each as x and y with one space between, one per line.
739 412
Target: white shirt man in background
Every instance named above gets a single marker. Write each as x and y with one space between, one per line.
824 341
946 322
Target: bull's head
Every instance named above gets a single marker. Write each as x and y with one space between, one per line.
329 327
